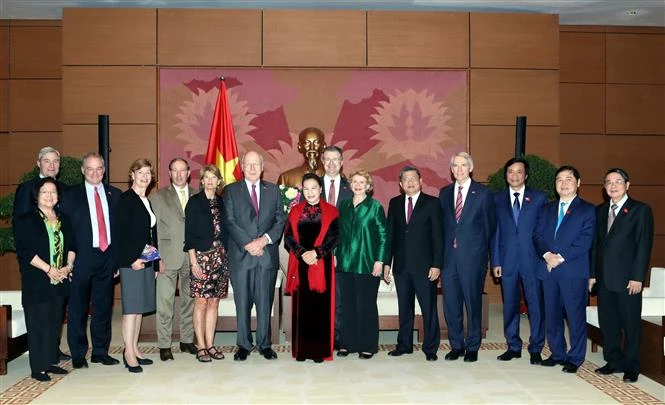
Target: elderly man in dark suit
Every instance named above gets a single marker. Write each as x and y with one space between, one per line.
515 261
619 261
48 162
415 248
255 219
91 208
469 223
563 237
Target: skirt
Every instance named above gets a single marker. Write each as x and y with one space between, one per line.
137 290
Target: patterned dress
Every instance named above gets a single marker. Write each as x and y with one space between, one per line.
213 262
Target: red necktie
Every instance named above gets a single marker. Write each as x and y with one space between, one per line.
255 199
331 193
101 223
409 210
458 204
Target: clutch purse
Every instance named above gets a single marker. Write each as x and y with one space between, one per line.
150 253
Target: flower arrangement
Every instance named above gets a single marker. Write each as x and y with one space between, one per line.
290 197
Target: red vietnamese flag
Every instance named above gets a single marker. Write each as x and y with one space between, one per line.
222 147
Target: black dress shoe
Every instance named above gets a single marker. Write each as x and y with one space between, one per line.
342 353
365 356
470 356
41 377
454 354
550 362
431 357
300 359
144 362
165 354
268 353
630 376
241 354
56 370
188 348
606 370
398 352
509 355
318 360
569 368
105 360
536 358
63 356
79 363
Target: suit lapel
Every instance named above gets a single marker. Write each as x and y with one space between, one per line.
619 216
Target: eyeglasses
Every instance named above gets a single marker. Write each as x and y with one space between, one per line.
332 160
619 182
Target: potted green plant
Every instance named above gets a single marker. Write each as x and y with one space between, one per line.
541 176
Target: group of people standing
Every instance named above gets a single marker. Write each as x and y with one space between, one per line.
72 242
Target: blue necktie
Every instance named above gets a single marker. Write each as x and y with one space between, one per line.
516 208
562 213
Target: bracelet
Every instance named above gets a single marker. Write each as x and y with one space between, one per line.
49 270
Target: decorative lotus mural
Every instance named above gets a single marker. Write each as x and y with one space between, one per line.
382 119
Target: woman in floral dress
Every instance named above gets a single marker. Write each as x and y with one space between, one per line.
205 240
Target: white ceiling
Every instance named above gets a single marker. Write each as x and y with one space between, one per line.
583 12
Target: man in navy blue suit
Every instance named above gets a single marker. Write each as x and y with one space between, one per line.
563 237
515 261
91 208
469 223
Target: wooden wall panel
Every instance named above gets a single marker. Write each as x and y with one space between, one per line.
587 154
4 52
643 157
36 52
23 148
514 40
314 38
35 105
655 197
190 37
128 142
582 57
112 36
497 96
635 58
582 108
10 277
4 105
658 252
434 39
635 109
126 94
4 161
492 146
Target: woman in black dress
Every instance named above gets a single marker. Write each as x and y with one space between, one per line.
45 248
310 236
205 240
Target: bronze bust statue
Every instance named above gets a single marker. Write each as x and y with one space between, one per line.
311 142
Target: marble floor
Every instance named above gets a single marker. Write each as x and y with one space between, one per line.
383 379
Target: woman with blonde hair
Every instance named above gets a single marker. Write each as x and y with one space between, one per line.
360 257
136 230
205 241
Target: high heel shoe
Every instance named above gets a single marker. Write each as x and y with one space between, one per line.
144 362
131 369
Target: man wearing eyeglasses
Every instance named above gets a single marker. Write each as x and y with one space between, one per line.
619 261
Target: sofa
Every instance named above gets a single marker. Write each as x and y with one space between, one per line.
13 333
652 344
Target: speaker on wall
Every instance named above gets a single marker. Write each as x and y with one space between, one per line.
520 136
103 142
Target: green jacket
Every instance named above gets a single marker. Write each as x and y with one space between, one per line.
362 236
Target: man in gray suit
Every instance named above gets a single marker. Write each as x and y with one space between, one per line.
168 203
254 218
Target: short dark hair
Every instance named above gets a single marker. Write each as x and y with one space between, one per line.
564 168
34 193
620 172
178 159
409 168
514 160
311 176
333 148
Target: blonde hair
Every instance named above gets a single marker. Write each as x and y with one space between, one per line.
215 172
364 173
139 164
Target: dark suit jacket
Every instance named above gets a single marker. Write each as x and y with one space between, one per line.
473 232
133 230
244 225
199 232
31 238
418 245
344 191
572 241
623 254
75 204
512 245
